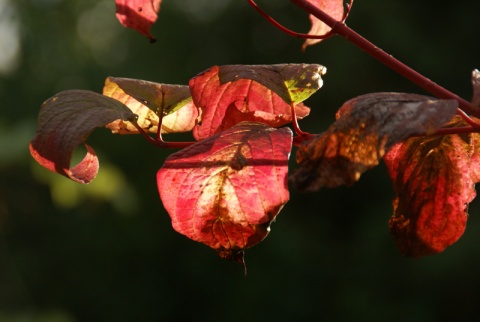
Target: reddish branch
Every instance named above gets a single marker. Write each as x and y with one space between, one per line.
291 32
339 28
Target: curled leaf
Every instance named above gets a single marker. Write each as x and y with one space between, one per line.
225 191
65 121
138 14
333 8
148 100
366 128
434 180
228 95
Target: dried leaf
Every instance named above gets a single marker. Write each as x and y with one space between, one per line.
434 180
147 100
367 127
225 191
65 121
138 14
228 95
333 8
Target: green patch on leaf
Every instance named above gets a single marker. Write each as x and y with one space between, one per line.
294 83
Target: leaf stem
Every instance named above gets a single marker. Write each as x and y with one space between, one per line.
159 142
468 119
456 130
341 29
296 127
284 29
294 33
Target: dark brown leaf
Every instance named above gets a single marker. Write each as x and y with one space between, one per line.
367 127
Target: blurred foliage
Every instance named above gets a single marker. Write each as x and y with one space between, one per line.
107 252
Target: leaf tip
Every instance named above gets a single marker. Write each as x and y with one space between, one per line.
138 15
235 254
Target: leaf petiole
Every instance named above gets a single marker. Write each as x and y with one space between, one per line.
296 128
474 124
294 33
456 130
159 141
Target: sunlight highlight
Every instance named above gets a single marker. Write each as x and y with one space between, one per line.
9 39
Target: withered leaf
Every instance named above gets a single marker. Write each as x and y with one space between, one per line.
366 128
225 191
434 180
65 121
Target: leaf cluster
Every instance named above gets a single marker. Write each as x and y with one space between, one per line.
226 188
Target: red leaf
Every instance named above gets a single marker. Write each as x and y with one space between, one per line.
225 191
333 8
367 127
65 121
228 95
138 14
434 180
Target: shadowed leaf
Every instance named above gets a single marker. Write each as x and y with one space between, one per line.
225 191
366 127
333 8
138 14
147 100
434 180
228 95
65 121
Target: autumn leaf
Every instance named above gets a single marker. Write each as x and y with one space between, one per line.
228 95
294 83
366 128
434 180
65 121
333 8
138 14
226 190
148 100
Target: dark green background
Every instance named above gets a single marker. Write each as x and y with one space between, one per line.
110 254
